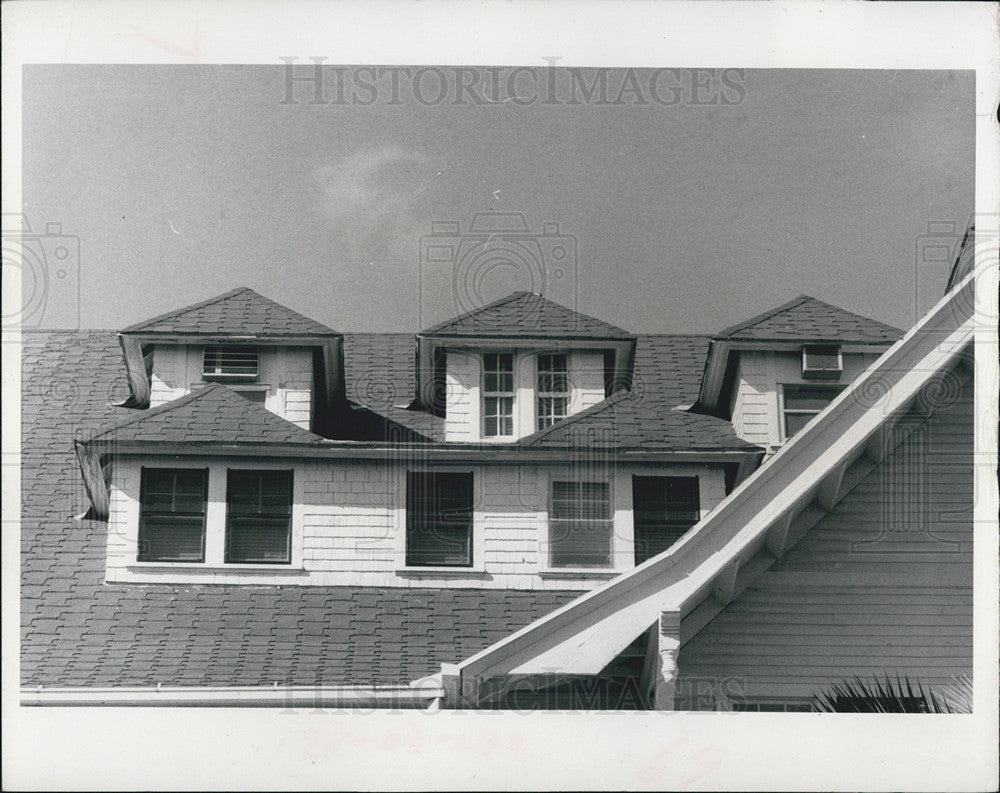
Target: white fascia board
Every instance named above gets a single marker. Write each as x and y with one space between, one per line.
421 694
586 634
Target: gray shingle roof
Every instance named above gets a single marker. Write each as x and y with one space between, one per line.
529 315
241 312
77 630
631 420
213 414
808 319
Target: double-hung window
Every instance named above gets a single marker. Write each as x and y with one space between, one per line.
172 514
498 394
231 361
801 402
553 389
259 517
663 509
438 519
580 524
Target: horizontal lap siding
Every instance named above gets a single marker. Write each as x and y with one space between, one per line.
882 584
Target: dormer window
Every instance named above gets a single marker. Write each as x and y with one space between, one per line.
498 394
231 361
553 389
822 362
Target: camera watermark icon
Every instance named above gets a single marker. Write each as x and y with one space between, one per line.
498 254
955 248
41 275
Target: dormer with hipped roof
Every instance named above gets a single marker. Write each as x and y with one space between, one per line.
772 374
264 351
518 365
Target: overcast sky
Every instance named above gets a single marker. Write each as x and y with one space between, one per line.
687 214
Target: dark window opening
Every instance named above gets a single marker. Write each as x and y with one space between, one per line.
172 514
259 517
663 508
438 519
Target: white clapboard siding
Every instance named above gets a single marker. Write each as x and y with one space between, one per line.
882 584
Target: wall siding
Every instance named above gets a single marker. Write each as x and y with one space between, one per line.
463 378
882 584
349 526
286 371
756 408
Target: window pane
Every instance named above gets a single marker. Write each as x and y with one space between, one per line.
255 539
490 426
170 538
795 422
258 516
172 515
664 508
439 519
580 524
809 397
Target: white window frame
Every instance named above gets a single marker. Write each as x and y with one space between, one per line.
546 419
499 395
215 516
610 521
783 411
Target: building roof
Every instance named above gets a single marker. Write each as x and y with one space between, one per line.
633 420
756 523
213 414
241 312
77 630
529 315
808 319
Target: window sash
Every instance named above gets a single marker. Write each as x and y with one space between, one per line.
259 517
580 524
663 509
172 514
498 394
801 402
439 511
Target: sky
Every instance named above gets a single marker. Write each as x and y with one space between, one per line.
675 209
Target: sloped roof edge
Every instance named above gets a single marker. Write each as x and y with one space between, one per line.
145 326
584 635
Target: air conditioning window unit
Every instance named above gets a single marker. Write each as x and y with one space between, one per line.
822 362
231 361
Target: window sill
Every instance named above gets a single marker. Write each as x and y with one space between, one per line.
442 572
196 567
578 572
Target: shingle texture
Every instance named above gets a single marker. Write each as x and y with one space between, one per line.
380 375
527 314
632 420
78 630
241 312
808 319
213 414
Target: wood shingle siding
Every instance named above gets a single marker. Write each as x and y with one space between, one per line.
882 584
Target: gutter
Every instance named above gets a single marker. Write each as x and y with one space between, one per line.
495 454
425 693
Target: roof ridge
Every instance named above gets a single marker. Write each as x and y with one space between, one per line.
137 326
593 410
759 318
159 410
469 314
